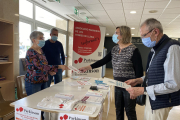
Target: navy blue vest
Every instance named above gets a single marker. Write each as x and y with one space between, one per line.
156 75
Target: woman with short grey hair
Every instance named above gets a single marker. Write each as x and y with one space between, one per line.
37 66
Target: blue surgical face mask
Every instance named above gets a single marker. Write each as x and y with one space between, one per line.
54 38
41 43
115 39
148 42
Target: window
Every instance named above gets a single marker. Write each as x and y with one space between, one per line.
26 8
45 31
34 16
24 40
49 18
62 39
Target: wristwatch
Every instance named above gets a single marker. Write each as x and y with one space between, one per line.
145 91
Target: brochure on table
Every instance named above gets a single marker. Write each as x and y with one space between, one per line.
116 83
63 94
88 43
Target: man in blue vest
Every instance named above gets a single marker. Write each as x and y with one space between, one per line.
162 75
54 53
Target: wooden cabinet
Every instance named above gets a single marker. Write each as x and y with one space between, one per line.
6 68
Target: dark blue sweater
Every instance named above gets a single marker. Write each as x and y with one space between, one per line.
54 53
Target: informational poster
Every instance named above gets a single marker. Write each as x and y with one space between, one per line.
67 116
25 113
88 44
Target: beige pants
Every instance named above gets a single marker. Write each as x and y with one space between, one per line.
160 114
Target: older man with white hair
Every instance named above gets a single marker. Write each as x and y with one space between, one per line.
162 78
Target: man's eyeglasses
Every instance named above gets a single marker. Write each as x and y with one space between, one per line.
147 33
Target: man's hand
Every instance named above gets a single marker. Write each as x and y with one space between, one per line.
52 73
134 82
63 67
84 69
135 91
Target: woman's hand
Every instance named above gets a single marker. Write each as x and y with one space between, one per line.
134 82
84 69
52 73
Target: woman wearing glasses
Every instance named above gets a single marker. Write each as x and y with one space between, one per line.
127 64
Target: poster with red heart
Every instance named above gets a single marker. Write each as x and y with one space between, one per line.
25 113
88 44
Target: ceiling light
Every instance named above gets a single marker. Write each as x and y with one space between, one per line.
153 11
133 12
132 28
132 34
16 14
107 33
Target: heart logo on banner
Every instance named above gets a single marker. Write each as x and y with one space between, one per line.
61 118
19 110
79 60
65 117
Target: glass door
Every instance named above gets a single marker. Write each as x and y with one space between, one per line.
24 40
62 39
45 31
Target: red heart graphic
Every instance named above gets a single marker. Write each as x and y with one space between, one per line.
20 109
65 117
80 60
61 105
75 61
17 109
61 118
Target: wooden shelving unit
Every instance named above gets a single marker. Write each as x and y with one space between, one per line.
5 62
2 44
6 68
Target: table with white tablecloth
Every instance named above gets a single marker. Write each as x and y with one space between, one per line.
62 87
